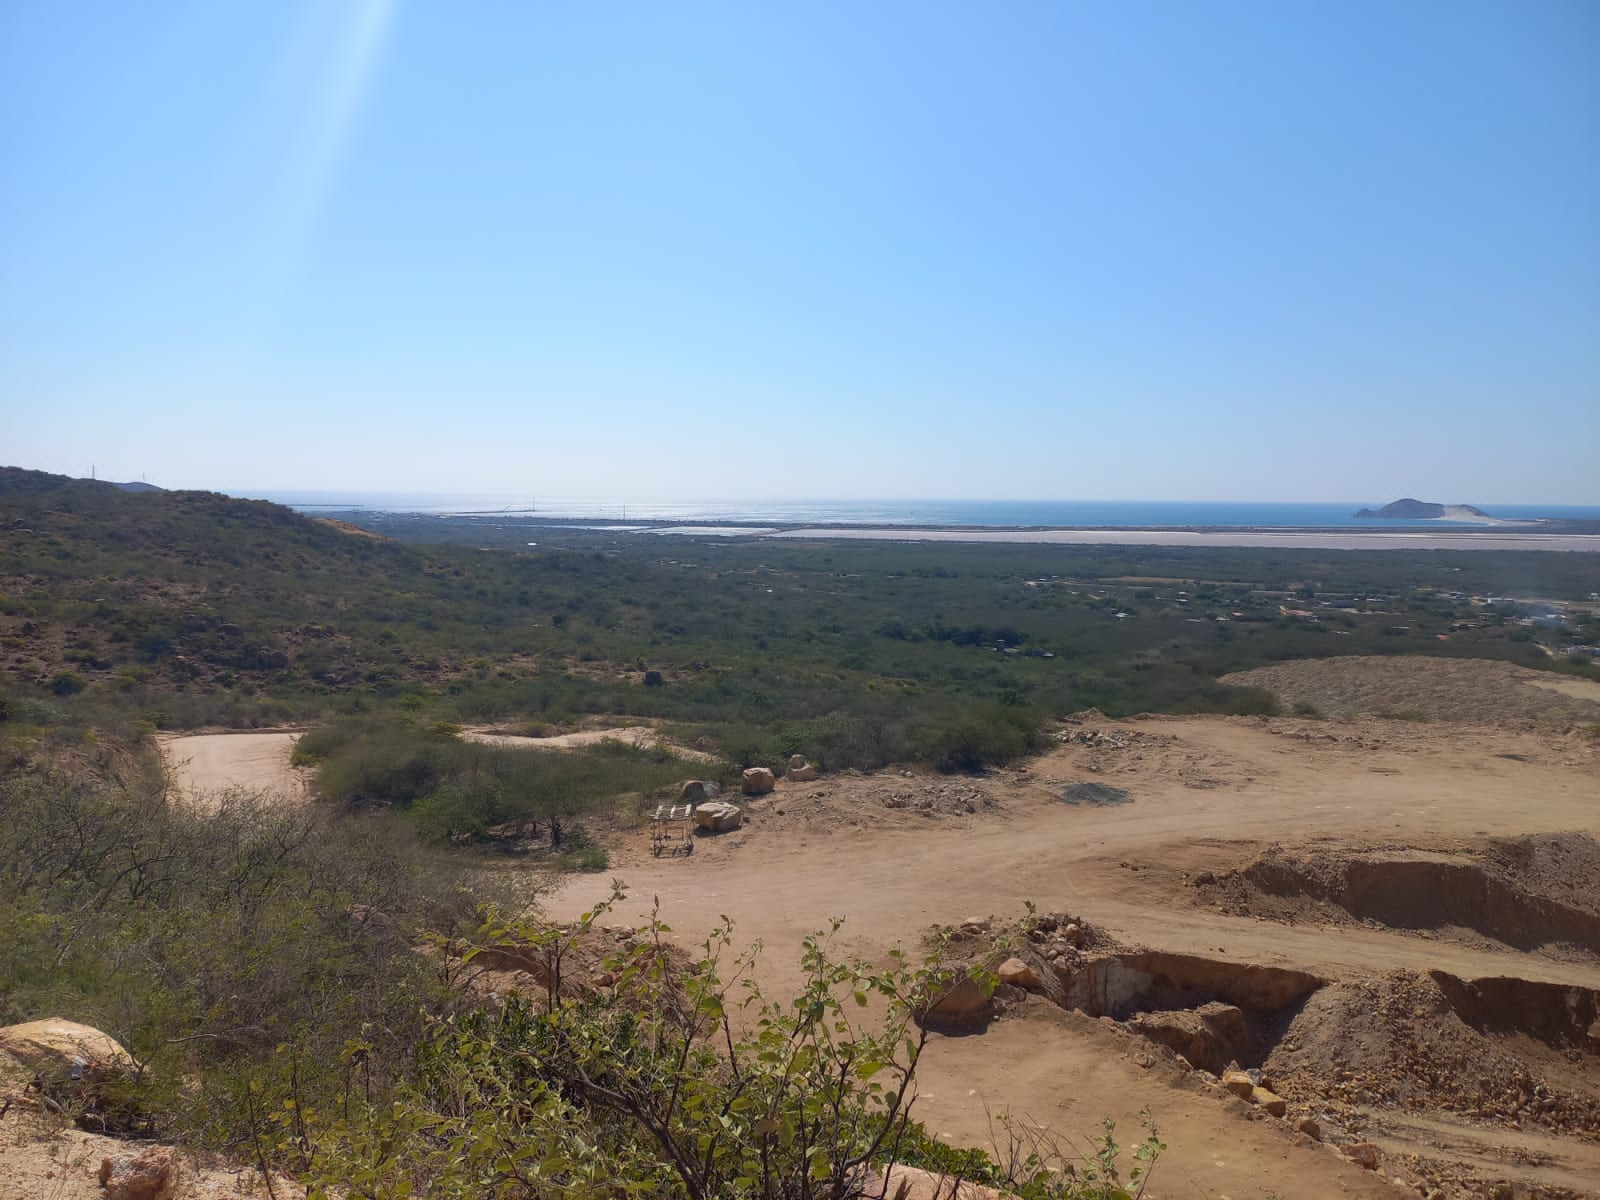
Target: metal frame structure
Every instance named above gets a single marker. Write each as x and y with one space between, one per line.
672 829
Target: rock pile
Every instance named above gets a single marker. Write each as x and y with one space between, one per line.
945 799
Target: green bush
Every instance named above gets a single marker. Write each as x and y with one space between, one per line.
688 1084
204 940
458 791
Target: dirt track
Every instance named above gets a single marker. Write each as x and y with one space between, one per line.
895 854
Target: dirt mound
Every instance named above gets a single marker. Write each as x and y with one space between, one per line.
1505 1051
1480 691
1095 794
1532 893
940 799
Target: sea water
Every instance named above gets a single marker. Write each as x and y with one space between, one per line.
1071 514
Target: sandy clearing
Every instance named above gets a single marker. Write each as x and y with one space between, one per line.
1207 791
642 736
202 765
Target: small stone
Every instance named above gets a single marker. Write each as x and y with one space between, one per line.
1239 1083
1019 974
1309 1127
1270 1101
1363 1153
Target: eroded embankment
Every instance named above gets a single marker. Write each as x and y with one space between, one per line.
1529 894
1509 1051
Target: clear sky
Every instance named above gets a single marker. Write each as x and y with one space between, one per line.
1292 249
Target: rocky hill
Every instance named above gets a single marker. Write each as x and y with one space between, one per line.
1423 510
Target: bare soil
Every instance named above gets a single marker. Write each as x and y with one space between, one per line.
204 766
644 737
1420 982
1320 990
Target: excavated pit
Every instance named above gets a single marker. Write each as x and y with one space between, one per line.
1211 1012
1563 1017
1532 894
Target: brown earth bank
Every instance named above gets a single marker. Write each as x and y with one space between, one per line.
1439 1014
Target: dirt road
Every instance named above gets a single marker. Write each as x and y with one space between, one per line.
1206 792
204 765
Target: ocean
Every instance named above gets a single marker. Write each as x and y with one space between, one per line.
1084 514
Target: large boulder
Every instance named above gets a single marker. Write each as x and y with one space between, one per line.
804 773
758 781
698 791
63 1052
1239 1083
1269 1100
71 1064
718 816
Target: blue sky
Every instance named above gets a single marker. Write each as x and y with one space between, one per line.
1286 250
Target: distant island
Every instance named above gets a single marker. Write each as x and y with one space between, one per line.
1424 510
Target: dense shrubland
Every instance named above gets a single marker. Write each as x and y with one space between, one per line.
187 609
205 940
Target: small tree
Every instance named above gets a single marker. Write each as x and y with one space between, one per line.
672 1083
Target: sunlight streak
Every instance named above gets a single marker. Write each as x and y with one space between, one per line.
345 62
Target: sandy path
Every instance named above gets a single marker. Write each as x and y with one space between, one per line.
201 765
642 736
1205 789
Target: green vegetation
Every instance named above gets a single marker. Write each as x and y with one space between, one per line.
457 792
205 940
183 610
263 969
291 982
695 1085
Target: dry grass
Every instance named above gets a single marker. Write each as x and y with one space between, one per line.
1477 691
